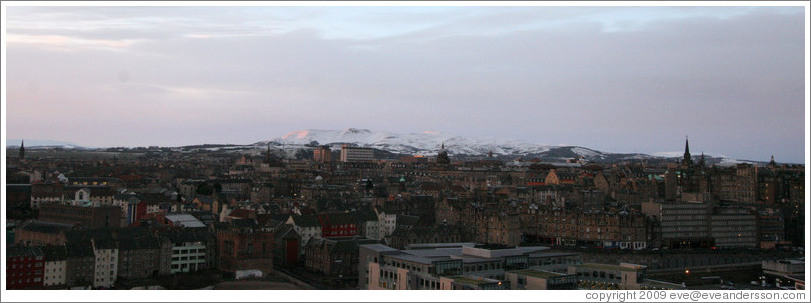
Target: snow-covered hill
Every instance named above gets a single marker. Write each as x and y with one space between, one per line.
428 144
42 144
425 143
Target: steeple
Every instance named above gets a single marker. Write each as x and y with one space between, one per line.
442 156
22 149
771 163
687 161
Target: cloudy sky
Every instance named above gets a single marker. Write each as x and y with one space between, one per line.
616 79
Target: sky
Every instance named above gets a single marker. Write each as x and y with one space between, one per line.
614 78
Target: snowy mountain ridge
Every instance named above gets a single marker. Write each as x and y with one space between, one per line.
425 143
428 143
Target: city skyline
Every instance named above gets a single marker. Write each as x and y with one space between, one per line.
616 79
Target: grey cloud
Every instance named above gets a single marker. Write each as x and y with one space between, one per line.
573 81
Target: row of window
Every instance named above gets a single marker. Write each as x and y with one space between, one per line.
599 274
188 251
20 281
23 274
188 258
38 264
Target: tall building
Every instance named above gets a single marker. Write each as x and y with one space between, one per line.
356 154
322 154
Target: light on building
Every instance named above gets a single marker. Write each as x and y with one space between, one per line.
687 271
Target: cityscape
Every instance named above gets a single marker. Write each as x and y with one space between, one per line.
617 153
340 216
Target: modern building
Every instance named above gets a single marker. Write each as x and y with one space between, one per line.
356 154
191 251
786 272
682 224
609 277
734 227
322 154
532 279
423 266
464 282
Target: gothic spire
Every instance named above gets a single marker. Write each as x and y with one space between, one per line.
687 161
22 149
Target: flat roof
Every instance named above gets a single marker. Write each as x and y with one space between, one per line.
472 280
439 252
538 273
378 247
553 254
412 258
185 220
606 267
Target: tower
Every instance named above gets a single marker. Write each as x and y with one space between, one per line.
687 162
442 156
22 150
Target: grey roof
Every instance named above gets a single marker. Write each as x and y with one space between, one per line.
185 220
378 247
413 258
434 253
23 251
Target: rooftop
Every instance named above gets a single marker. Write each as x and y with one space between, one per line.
185 220
472 280
538 273
606 267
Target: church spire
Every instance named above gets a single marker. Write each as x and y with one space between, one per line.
22 149
687 161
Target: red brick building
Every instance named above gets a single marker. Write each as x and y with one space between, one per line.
338 225
24 267
243 245
103 216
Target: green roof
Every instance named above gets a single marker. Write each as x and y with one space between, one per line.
606 267
538 273
469 280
